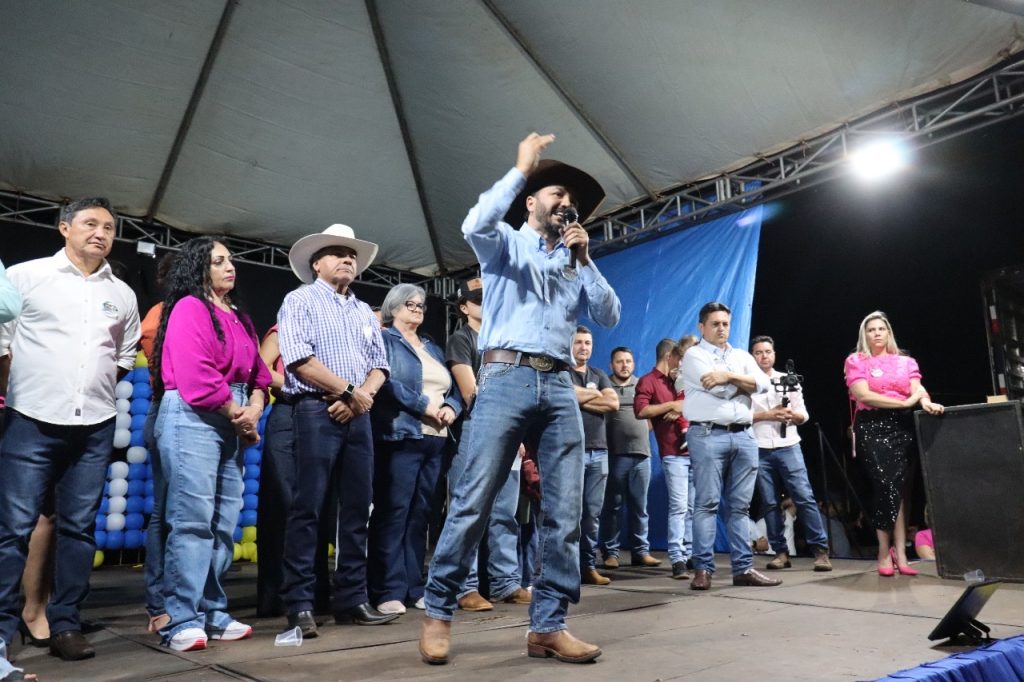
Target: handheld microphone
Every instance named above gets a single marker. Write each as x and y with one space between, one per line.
569 216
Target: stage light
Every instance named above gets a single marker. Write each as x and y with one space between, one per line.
879 159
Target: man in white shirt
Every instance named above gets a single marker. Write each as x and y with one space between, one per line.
782 461
76 336
719 380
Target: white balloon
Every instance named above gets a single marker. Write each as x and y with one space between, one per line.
122 437
118 503
122 420
115 521
118 488
137 455
123 390
123 405
119 470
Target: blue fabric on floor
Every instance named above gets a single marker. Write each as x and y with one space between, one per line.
1001 661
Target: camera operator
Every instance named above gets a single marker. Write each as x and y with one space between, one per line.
777 413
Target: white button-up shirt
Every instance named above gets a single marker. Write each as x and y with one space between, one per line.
769 433
72 335
724 404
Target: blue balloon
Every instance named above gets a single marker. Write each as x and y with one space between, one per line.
137 440
251 486
101 539
136 487
139 406
134 521
138 422
237 535
248 517
133 539
147 505
137 374
252 472
101 522
142 389
115 539
106 489
253 456
135 503
149 487
104 504
249 502
137 472
149 470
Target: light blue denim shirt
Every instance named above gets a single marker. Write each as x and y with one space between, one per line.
723 404
530 305
10 299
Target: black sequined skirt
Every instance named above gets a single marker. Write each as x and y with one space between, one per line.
887 446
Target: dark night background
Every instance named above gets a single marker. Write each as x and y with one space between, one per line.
916 247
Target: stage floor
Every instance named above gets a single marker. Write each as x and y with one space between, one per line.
849 624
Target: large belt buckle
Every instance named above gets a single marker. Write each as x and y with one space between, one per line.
541 363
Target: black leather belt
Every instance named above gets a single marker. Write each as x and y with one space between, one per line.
541 363
731 428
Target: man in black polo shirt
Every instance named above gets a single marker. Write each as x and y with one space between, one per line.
597 398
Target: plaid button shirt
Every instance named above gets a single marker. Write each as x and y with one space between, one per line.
341 331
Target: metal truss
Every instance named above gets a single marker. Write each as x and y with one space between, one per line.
990 98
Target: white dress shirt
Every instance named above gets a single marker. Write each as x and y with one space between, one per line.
72 335
769 433
724 404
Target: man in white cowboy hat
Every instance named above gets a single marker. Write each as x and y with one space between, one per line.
334 355
538 279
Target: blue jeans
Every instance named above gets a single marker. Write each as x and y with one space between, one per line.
503 571
679 482
328 454
202 469
405 473
511 403
595 478
72 460
784 467
629 476
156 531
722 458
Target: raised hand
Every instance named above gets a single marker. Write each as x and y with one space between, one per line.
530 150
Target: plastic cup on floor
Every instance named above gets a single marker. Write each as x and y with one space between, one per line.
291 637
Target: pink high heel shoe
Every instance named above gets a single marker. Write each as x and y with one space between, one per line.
887 571
905 569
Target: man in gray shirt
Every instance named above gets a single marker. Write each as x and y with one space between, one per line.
629 469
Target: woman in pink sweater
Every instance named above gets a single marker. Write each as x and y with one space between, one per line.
212 384
886 385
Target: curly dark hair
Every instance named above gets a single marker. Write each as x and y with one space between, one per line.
189 275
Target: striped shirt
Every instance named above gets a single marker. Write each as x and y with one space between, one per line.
340 331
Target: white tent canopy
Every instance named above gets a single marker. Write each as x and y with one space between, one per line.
392 115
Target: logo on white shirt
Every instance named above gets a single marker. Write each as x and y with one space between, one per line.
109 309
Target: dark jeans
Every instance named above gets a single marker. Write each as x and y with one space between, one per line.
405 475
35 456
328 455
277 477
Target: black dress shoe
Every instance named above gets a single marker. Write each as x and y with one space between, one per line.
364 614
71 645
305 621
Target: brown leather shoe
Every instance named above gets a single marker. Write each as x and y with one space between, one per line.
560 645
520 596
701 580
71 645
611 562
780 561
821 562
645 560
474 602
592 577
753 578
760 545
435 639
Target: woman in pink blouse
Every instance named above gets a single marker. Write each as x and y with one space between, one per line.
886 385
212 384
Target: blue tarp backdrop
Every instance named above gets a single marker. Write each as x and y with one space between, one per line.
662 285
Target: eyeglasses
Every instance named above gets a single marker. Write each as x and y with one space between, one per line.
413 306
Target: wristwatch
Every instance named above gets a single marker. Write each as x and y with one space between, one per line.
347 393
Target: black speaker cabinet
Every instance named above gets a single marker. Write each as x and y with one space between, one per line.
973 465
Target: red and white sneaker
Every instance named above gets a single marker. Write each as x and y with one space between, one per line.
189 639
234 631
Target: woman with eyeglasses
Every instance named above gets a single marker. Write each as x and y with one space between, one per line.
411 415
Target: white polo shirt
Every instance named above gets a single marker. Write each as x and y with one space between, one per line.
72 335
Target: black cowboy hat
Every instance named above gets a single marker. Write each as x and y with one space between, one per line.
585 190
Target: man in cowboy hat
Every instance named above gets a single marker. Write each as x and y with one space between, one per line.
335 360
537 280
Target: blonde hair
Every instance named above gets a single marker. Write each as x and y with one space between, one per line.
686 343
862 339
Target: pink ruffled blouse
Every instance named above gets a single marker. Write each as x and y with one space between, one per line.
888 375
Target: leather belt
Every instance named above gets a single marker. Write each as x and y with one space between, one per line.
731 428
541 363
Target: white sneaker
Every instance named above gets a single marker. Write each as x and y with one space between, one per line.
393 606
189 639
234 631
420 604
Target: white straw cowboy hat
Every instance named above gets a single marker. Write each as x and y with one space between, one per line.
335 235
